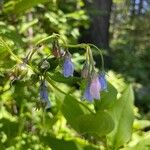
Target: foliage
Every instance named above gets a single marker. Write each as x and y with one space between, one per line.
26 54
130 47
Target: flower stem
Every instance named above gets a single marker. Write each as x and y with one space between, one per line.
100 52
45 39
91 57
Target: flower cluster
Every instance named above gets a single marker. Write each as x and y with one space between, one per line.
96 82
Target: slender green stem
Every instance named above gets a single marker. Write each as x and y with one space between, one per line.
61 38
91 57
45 39
51 82
82 45
102 59
86 107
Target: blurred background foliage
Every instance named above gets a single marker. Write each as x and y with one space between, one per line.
121 29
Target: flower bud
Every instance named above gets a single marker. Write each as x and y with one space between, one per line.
85 71
56 50
45 65
19 71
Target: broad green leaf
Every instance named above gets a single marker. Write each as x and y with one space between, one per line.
99 124
71 109
62 144
57 144
122 113
107 98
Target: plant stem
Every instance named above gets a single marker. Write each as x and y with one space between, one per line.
45 39
102 59
9 50
91 58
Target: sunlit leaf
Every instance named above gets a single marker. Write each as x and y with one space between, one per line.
122 113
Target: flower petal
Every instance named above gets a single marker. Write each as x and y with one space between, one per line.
87 94
95 87
103 81
44 95
68 68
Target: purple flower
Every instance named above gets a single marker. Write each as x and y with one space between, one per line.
44 95
103 81
68 67
87 94
95 87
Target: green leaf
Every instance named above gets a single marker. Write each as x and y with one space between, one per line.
22 5
62 144
8 126
71 109
99 124
122 113
83 121
107 98
54 62
57 144
58 77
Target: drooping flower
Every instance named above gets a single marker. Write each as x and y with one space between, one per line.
87 94
68 67
95 86
103 82
85 71
44 95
